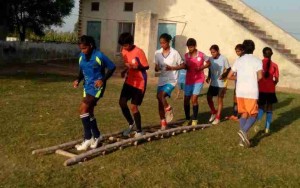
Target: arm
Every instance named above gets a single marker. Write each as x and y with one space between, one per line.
110 66
207 65
259 75
79 78
178 67
231 75
208 77
225 74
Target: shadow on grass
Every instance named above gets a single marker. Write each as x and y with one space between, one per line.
38 77
284 119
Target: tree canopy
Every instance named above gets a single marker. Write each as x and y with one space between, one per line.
37 15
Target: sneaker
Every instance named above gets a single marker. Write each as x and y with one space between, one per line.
241 143
128 131
96 142
186 123
212 118
267 131
138 134
244 138
169 114
194 122
84 145
216 121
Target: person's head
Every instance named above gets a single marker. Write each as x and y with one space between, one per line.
86 44
239 50
191 43
126 41
215 51
164 40
267 52
249 46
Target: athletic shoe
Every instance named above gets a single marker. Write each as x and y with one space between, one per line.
96 142
138 134
128 131
186 123
216 121
244 138
267 131
241 143
212 118
194 122
169 114
163 124
84 145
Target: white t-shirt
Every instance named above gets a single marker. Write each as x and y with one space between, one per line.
217 68
172 59
246 68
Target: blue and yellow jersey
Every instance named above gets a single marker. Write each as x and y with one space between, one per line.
94 69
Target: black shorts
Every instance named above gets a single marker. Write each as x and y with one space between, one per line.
267 98
216 91
136 95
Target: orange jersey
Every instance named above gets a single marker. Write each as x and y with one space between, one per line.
136 77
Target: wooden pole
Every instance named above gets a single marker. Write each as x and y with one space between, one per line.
82 157
65 153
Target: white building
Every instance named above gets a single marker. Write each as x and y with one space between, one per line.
222 22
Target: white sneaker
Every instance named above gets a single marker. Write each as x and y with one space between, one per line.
169 115
244 138
138 134
96 142
128 131
241 143
216 121
84 145
212 118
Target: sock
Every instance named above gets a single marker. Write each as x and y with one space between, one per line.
163 122
269 119
218 116
168 108
250 121
187 112
242 122
235 110
195 112
127 115
137 120
94 127
260 114
85 118
212 107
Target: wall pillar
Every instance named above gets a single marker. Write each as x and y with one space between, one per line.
146 26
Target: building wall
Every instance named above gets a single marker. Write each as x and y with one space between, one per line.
198 19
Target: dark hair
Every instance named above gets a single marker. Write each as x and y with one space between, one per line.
88 41
191 42
267 52
166 36
249 46
239 47
214 47
125 38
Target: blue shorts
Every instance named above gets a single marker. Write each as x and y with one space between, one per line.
167 88
194 89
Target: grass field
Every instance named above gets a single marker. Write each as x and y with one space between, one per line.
42 110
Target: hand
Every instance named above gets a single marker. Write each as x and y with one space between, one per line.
98 83
75 84
123 73
207 80
169 68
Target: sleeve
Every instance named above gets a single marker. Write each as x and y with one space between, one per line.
259 66
143 59
226 63
206 58
107 62
276 73
234 67
155 58
178 59
80 75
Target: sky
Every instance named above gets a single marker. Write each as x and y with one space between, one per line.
284 13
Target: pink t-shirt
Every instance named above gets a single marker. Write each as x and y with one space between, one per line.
194 76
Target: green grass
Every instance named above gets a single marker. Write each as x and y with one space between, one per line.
42 110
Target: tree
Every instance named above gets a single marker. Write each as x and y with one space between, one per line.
37 15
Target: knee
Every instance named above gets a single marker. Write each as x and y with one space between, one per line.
134 109
83 108
160 96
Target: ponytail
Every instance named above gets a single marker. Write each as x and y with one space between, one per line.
267 52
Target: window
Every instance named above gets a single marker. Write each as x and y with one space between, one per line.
125 27
128 7
95 6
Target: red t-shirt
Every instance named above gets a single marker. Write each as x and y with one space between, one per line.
267 85
135 77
